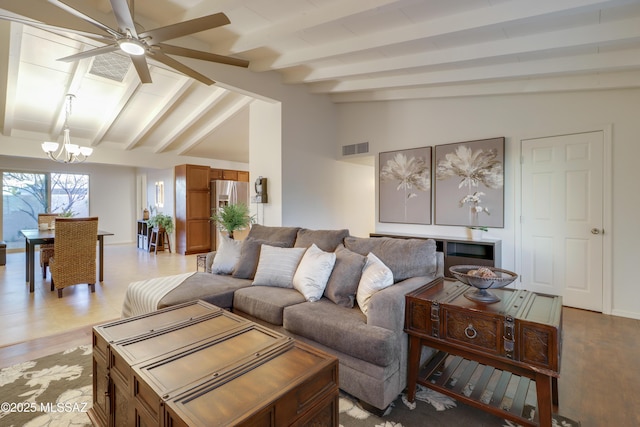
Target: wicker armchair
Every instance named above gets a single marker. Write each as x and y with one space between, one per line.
74 259
46 251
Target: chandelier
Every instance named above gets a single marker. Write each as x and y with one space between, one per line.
66 152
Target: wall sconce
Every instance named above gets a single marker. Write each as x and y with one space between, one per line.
159 194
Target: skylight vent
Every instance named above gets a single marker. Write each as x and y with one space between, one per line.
111 66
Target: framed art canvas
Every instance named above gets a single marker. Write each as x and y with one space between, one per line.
469 183
405 186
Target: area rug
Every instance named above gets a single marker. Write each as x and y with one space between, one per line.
56 391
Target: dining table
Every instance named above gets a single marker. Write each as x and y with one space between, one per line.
36 236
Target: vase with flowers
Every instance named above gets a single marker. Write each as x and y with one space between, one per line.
475 232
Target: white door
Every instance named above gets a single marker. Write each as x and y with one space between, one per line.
562 217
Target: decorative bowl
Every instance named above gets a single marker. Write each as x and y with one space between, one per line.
481 294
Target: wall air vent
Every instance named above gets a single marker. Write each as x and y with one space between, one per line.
112 66
361 148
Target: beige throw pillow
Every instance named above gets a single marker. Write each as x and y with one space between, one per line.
313 273
375 277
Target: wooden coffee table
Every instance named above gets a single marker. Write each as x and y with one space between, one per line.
195 364
486 350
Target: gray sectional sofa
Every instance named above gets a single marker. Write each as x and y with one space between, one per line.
372 347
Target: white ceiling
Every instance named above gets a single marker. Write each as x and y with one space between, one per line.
354 50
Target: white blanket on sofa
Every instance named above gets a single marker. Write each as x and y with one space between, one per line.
143 297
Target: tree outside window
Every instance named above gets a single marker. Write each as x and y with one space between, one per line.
25 195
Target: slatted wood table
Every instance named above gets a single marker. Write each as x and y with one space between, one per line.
195 364
486 350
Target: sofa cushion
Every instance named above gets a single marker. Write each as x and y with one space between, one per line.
249 256
213 288
266 303
227 255
375 277
405 257
277 266
313 272
274 234
343 282
342 329
327 240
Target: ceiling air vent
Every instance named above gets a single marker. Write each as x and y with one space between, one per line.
348 150
111 66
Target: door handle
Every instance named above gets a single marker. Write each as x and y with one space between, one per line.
596 231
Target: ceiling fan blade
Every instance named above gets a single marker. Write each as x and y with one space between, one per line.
185 28
140 62
55 29
167 60
89 53
206 56
84 17
123 16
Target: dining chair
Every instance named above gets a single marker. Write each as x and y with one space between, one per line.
74 259
46 250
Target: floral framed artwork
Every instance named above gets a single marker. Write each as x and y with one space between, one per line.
469 183
405 186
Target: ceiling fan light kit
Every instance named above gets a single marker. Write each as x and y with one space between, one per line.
146 43
131 46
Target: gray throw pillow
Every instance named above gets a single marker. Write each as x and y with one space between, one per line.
274 234
249 256
343 282
277 266
405 257
327 240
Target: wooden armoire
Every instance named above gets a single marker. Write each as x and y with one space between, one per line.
192 209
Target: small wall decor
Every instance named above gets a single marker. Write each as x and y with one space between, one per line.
469 186
405 186
159 194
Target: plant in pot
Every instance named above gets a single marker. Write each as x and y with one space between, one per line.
476 232
232 217
161 221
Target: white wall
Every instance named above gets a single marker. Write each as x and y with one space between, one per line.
111 192
418 123
312 177
265 159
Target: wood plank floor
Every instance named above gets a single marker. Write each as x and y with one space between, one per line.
598 379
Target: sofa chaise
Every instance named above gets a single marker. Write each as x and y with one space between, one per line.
357 315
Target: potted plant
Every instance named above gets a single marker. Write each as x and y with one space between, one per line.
232 217
161 221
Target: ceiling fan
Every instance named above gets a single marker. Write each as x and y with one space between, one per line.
143 44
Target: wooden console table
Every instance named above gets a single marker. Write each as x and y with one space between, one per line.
195 364
486 347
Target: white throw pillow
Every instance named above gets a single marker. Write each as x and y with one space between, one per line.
375 277
313 273
276 266
227 255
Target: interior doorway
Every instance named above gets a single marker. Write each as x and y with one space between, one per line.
563 217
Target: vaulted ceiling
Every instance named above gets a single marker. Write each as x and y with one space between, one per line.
354 50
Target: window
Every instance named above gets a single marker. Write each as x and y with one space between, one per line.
25 195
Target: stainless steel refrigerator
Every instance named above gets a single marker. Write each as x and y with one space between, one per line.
225 193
